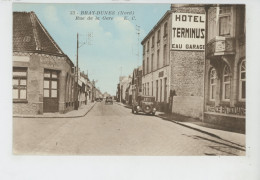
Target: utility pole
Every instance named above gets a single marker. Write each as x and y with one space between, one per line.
77 75
138 39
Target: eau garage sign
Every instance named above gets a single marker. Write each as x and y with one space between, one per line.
188 31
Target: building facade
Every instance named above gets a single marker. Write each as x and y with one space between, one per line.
156 62
173 70
187 62
137 83
43 78
83 88
225 71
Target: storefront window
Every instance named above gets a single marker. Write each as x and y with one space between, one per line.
20 83
243 80
226 83
213 82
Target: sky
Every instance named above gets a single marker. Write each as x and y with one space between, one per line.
108 45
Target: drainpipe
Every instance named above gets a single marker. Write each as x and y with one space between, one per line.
205 55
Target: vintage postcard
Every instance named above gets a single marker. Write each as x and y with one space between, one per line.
129 79
129 90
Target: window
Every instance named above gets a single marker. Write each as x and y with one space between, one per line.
152 88
226 83
156 90
165 89
148 46
213 82
20 83
160 90
224 20
242 79
241 16
50 84
144 49
143 67
158 55
147 65
165 32
152 63
164 55
148 89
152 41
158 36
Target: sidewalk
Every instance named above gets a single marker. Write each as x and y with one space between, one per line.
206 128
82 111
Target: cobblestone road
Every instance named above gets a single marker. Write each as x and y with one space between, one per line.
114 130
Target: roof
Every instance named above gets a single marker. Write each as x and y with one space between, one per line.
157 25
29 35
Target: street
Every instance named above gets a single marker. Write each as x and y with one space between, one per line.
114 130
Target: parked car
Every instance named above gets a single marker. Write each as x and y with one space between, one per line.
109 100
145 104
99 99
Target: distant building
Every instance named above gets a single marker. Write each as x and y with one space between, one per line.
225 72
124 85
43 79
83 88
137 82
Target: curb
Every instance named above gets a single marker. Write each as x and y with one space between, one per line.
75 116
202 131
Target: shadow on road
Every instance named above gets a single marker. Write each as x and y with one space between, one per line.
222 147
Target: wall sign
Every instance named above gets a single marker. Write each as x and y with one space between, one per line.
188 32
227 110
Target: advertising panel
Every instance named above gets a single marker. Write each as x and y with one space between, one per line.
188 31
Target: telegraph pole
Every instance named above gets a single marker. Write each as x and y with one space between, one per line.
138 39
77 75
77 71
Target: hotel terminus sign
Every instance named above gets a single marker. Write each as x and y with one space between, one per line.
188 31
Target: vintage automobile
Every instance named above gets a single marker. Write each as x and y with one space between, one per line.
144 104
109 99
99 99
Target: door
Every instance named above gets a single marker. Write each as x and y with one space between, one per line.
50 91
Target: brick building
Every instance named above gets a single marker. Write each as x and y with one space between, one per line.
43 78
225 71
173 70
